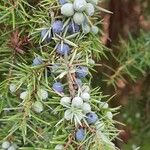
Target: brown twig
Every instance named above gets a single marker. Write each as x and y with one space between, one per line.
69 141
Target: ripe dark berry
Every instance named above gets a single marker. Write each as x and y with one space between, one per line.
58 87
91 118
82 72
62 2
63 49
80 134
57 27
46 35
73 27
37 61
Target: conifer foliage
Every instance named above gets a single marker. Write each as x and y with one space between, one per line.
47 50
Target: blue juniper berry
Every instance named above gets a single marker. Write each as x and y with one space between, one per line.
57 27
63 49
80 134
62 2
73 27
46 35
37 61
58 87
91 118
82 72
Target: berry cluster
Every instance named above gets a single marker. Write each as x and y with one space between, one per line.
69 98
80 11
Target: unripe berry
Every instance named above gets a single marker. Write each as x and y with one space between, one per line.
77 102
78 18
37 61
43 94
59 147
91 118
85 96
86 28
90 9
63 49
58 87
46 35
6 144
109 115
12 147
68 115
80 5
82 72
57 27
38 107
85 88
80 134
12 88
73 27
67 10
86 108
94 29
65 101
91 62
104 105
24 95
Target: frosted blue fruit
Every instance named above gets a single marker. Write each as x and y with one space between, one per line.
78 18
46 35
59 147
65 101
63 49
68 115
80 5
73 27
82 72
85 96
77 102
62 2
109 115
91 118
91 62
12 88
90 9
104 105
80 134
23 95
37 61
38 107
94 29
86 28
67 10
57 27
94 2
85 88
12 147
86 108
58 87
6 144
43 94
79 82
